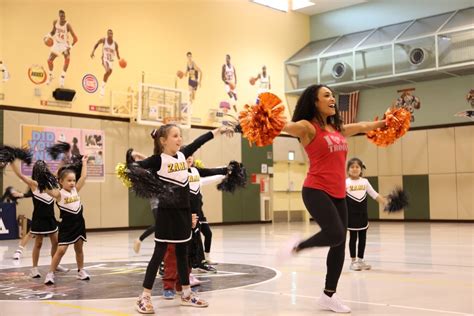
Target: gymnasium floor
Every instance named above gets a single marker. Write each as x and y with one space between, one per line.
418 269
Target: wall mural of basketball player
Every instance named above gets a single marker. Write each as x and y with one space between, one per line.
265 84
194 74
229 76
61 45
110 48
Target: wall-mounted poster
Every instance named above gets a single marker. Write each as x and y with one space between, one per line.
82 141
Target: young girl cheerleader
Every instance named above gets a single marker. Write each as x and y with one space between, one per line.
196 251
43 221
173 221
357 189
72 228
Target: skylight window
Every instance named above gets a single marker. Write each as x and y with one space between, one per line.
300 4
280 5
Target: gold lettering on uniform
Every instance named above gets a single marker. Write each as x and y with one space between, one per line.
194 178
177 166
71 199
358 187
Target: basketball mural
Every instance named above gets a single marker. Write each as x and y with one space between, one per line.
110 49
58 41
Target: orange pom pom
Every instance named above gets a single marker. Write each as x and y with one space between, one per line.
397 123
123 63
180 74
263 122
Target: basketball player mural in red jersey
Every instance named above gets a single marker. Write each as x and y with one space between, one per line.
109 50
58 40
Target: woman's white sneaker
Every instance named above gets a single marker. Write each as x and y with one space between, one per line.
333 303
34 273
83 275
49 280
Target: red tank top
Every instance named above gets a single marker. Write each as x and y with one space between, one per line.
327 154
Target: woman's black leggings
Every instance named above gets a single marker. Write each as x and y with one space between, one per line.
353 240
206 231
158 255
331 215
150 230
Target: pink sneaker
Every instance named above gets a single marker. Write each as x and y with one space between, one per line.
287 251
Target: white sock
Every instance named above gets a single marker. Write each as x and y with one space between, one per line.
207 256
63 74
103 85
186 291
146 294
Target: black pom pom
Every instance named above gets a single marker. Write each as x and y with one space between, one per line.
147 185
9 154
8 196
44 177
397 200
58 149
74 164
236 177
128 157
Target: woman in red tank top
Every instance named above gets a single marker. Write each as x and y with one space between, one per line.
318 126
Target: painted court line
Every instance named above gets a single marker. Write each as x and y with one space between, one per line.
366 303
86 308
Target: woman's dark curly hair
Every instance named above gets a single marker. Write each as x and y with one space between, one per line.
306 108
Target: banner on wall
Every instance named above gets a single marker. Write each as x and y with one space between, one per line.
83 141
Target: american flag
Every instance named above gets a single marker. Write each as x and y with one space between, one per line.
348 105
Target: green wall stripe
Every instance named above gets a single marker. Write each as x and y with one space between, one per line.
244 205
232 206
417 188
139 211
372 205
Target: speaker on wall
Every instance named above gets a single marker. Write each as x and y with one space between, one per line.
64 94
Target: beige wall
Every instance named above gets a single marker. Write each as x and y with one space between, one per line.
153 36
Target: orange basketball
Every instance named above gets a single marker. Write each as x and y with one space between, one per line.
231 85
48 41
180 74
252 80
123 63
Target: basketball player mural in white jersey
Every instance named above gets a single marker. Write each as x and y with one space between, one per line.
264 85
109 50
229 76
61 45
